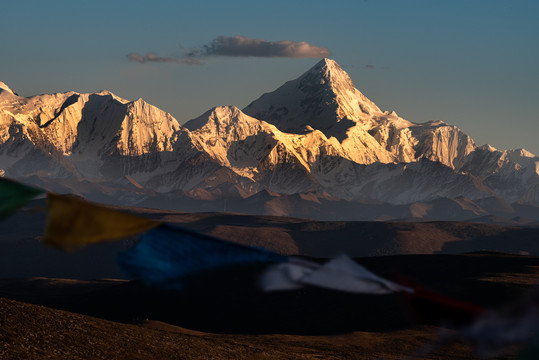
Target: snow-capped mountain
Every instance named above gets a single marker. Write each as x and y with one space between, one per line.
324 98
92 135
316 134
321 98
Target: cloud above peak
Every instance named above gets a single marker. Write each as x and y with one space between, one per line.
239 46
242 46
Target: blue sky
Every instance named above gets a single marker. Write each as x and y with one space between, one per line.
474 64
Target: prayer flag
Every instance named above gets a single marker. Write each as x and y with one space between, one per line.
13 195
340 273
167 255
73 223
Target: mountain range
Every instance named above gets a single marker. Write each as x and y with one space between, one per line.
315 147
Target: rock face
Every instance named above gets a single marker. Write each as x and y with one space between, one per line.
316 134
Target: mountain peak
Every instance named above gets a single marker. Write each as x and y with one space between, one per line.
327 63
328 68
330 73
225 110
222 119
321 98
114 96
4 87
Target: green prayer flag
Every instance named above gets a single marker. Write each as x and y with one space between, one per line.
531 351
13 195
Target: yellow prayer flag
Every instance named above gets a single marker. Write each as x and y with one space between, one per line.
73 223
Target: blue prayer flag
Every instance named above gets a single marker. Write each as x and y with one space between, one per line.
167 255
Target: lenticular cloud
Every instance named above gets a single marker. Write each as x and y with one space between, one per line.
239 46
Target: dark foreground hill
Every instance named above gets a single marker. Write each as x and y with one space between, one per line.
223 316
